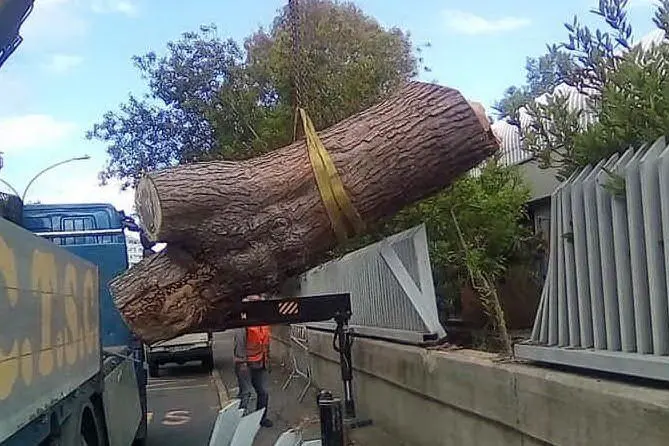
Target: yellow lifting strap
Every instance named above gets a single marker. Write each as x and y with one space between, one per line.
337 203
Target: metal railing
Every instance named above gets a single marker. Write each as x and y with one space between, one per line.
604 305
11 208
300 362
391 286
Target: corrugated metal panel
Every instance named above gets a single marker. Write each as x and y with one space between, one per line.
606 292
653 38
390 282
576 101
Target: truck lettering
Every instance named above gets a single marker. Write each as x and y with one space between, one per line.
90 328
68 292
73 338
27 362
44 284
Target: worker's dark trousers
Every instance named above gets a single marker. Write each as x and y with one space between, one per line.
253 377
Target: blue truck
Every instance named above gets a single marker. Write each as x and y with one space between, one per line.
71 372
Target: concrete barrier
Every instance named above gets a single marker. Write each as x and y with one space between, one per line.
430 397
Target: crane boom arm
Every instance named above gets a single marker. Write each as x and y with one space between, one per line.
291 310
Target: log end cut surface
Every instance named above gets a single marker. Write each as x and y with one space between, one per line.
147 203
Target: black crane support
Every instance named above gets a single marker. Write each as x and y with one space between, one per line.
319 308
291 310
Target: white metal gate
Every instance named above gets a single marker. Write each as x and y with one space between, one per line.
604 305
391 286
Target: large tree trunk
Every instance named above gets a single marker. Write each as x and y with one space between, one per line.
238 228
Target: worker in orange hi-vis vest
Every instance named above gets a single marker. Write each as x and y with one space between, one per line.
251 356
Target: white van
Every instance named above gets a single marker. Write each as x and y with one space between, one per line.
180 350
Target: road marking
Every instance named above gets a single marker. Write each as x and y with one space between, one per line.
176 417
149 417
196 386
160 382
223 396
173 383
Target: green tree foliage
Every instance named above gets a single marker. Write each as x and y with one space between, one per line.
543 74
490 211
346 61
168 125
214 98
626 89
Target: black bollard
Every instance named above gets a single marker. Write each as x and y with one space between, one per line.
332 425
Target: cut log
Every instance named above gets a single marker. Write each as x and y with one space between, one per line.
239 228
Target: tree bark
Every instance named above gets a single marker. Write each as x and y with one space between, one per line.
238 228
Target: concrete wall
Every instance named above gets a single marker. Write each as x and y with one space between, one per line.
461 398
542 182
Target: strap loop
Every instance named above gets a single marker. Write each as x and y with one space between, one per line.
345 219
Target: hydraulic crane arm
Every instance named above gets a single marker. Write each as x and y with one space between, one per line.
292 310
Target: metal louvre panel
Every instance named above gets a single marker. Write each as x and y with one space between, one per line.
605 297
391 286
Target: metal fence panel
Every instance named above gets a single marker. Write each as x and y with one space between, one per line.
604 303
391 286
300 361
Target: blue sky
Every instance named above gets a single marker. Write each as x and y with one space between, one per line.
74 65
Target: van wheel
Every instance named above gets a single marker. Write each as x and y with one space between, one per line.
90 433
154 370
208 362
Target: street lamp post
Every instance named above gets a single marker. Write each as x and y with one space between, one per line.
32 180
9 186
2 163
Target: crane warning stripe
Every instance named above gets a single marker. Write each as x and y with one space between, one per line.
288 308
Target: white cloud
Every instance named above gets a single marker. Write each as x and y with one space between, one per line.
78 183
17 96
55 23
632 4
32 132
463 22
62 63
126 7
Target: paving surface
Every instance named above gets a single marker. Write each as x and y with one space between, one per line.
182 406
284 408
184 401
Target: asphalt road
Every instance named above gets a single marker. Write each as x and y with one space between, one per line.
184 402
182 406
